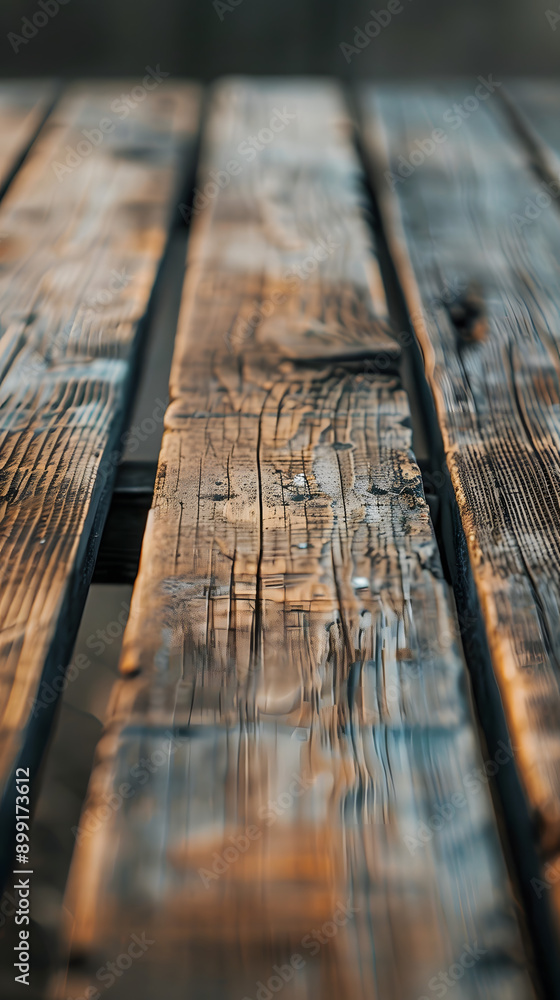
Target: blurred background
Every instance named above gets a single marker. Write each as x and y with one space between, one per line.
206 38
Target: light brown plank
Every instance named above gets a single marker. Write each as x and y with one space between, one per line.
23 106
491 358
78 260
290 623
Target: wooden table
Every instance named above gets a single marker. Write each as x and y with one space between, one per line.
332 764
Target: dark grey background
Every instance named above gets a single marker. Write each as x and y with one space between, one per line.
187 37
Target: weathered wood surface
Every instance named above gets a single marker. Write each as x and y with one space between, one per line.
293 672
459 222
23 106
534 107
80 252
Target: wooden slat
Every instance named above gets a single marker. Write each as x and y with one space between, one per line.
534 107
491 357
290 623
78 261
23 106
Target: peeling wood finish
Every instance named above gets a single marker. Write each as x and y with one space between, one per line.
23 106
292 670
459 222
78 260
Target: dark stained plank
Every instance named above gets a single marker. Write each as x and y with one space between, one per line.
23 107
292 676
78 261
491 358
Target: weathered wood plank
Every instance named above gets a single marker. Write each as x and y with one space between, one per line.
293 675
491 355
80 253
534 106
23 107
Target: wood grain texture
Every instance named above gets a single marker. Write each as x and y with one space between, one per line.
534 106
23 106
78 260
491 356
292 671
